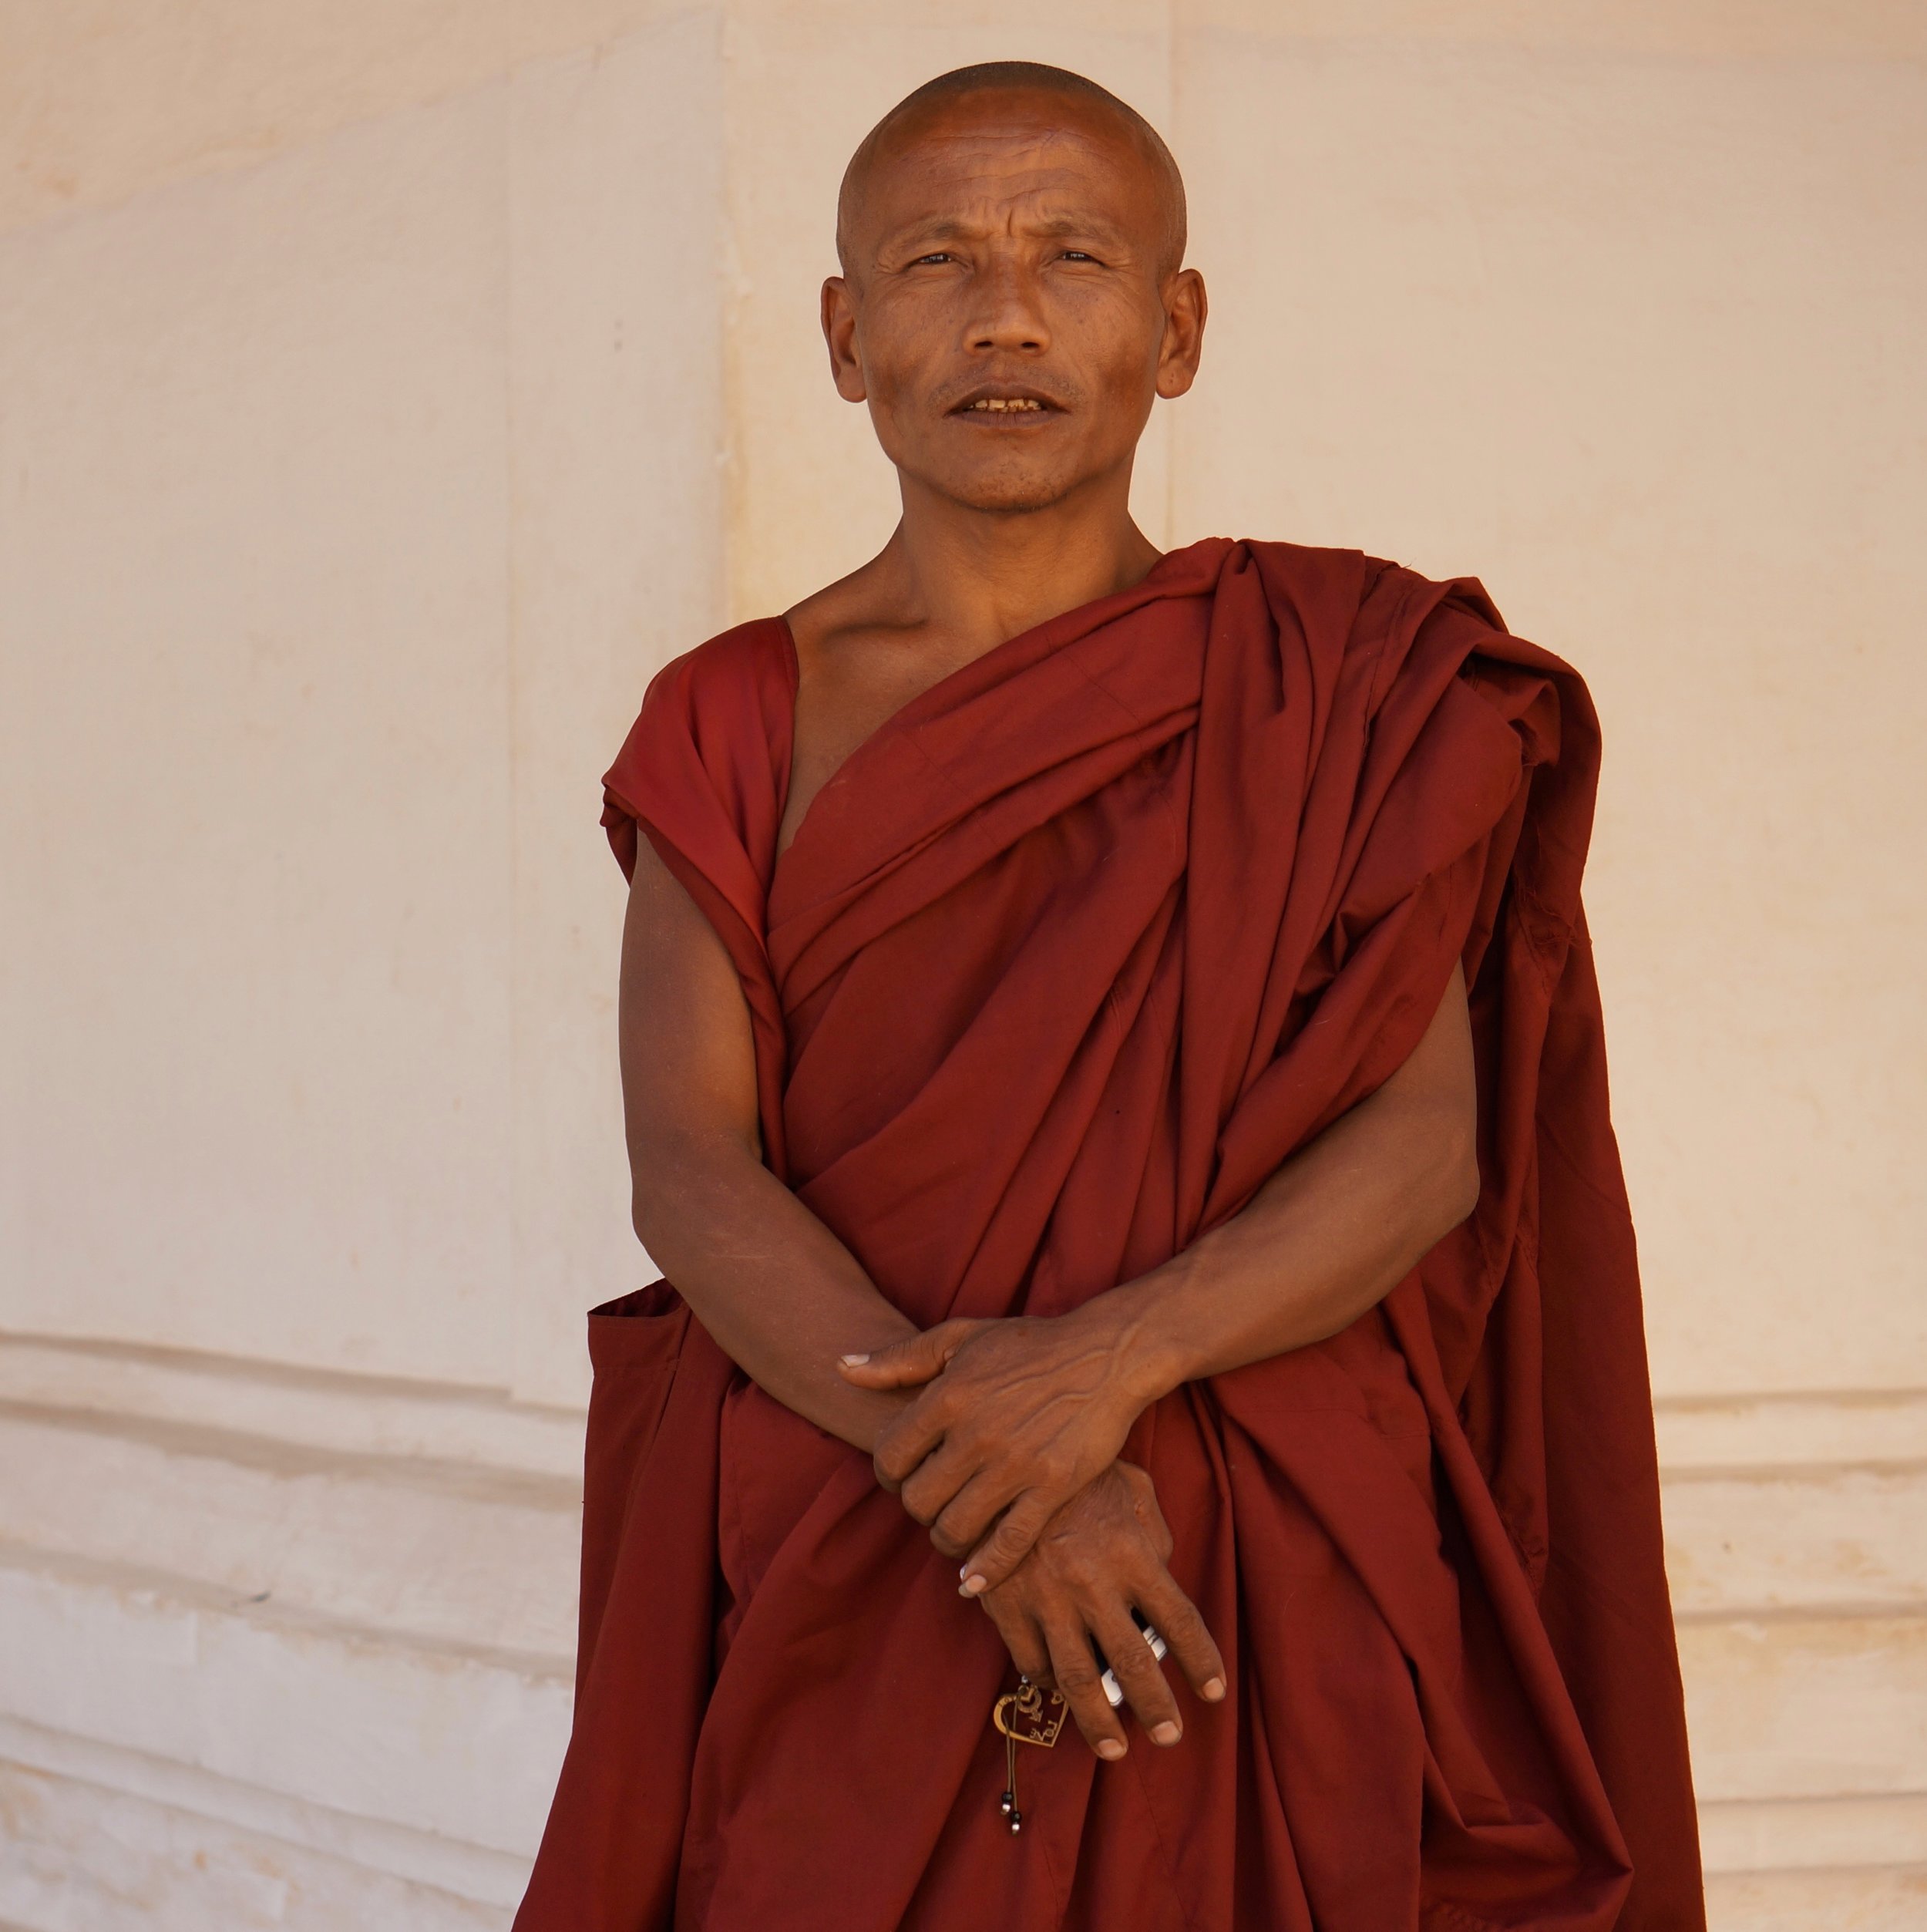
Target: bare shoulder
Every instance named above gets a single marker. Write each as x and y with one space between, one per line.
865 601
860 657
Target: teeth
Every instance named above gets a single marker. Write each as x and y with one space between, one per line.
1001 404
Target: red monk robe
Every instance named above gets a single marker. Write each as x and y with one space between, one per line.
1061 965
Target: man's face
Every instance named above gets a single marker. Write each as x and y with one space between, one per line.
1007 310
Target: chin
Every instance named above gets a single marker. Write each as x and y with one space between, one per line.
1013 503
1008 494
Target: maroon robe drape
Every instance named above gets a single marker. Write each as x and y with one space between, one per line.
1061 966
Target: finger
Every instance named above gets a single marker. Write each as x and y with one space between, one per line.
927 1491
1134 1666
906 1364
1022 1637
1175 1618
1075 1671
1008 1544
906 1439
967 1517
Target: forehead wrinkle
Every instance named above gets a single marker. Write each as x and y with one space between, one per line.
986 185
1055 201
1024 143
1032 134
1010 218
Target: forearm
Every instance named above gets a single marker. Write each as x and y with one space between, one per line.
1326 1238
781 1295
1333 1231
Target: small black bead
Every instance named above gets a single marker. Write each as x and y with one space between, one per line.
1007 1803
1016 1822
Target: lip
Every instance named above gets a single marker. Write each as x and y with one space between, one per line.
1006 393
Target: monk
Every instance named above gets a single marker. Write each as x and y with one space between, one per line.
1150 1430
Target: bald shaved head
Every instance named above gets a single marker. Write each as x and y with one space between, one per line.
1012 297
923 109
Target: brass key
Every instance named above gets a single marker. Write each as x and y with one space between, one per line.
1026 1715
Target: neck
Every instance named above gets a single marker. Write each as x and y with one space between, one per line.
980 576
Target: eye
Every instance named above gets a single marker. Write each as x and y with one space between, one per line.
940 255
1077 254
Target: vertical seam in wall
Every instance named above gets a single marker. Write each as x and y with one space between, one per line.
513 642
729 307
1168 536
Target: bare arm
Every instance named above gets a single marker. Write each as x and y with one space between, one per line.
1332 1232
1021 1414
782 1297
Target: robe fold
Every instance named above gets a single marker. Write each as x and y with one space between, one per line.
1061 965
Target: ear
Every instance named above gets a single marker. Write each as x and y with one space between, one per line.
839 335
1185 308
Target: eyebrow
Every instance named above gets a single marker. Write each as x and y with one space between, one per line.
1055 228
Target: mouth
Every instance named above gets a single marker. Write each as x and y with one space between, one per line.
1004 402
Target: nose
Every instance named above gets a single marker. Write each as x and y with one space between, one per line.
1009 313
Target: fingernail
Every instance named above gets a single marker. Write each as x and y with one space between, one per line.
1213 1691
973 1587
1166 1734
854 1361
1109 1748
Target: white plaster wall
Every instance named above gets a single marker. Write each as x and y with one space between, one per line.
617 534
100 100
254 637
351 499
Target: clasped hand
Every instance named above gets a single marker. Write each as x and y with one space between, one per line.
1018 1424
1014 1419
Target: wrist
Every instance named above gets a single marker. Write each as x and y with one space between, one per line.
1148 1351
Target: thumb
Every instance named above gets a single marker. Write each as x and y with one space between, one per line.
905 1363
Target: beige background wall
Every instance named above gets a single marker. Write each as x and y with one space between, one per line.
388 386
